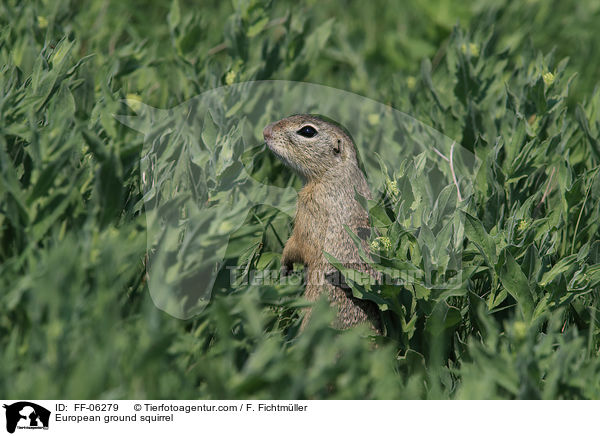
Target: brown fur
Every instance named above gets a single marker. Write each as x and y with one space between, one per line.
329 168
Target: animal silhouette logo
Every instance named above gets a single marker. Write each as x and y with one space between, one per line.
26 415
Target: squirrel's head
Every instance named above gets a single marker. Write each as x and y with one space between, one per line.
311 145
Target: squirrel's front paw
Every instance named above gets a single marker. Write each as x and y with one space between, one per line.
286 270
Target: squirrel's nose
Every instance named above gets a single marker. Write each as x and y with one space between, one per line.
268 131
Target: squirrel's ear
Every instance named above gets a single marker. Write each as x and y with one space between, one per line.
337 149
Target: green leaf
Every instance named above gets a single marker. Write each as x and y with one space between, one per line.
364 288
562 266
584 124
266 259
515 282
174 16
483 241
257 27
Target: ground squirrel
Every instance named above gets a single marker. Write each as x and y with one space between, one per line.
325 157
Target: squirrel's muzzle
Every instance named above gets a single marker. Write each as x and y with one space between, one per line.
268 132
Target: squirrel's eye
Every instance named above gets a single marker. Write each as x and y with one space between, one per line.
307 131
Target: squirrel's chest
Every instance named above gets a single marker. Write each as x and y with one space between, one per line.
310 225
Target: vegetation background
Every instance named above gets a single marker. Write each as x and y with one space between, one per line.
76 320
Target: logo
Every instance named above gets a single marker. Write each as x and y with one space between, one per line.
26 415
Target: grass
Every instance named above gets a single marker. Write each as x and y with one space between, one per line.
77 318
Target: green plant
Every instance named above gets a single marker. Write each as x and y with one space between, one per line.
76 317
